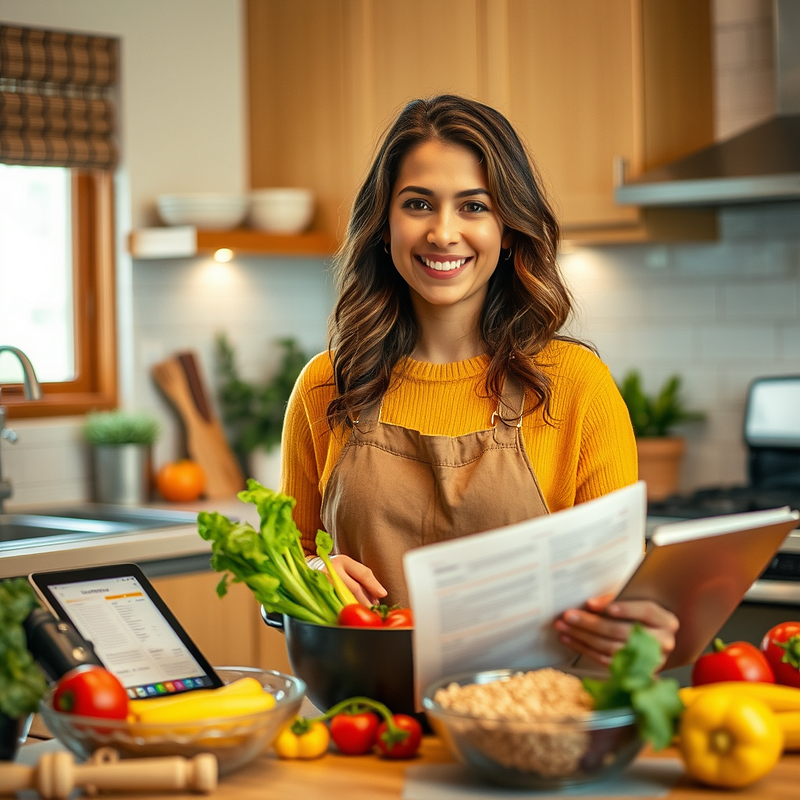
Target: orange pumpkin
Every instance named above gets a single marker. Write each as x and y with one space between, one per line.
181 481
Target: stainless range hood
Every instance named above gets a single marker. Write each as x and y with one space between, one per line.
761 164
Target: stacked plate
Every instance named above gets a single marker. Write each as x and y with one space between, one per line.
217 211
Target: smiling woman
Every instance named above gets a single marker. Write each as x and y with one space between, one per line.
57 151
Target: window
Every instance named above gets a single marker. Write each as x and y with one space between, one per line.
57 150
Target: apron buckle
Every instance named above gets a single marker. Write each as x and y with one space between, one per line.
516 422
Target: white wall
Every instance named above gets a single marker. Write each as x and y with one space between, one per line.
719 313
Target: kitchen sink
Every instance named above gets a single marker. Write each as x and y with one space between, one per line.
89 520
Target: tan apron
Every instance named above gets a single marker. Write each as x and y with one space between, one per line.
394 488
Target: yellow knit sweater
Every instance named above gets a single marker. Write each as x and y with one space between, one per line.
590 450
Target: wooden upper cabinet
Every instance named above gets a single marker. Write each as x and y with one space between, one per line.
593 83
585 83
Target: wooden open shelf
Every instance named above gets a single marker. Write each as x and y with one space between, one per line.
187 241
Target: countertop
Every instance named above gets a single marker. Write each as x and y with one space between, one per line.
369 777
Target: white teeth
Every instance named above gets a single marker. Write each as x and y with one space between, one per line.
443 266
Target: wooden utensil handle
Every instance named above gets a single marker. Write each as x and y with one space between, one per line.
57 774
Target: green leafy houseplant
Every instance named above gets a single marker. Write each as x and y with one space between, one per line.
658 414
22 683
254 413
120 427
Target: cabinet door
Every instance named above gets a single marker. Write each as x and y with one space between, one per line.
327 77
223 628
573 79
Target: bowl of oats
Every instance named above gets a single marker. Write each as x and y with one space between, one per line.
535 729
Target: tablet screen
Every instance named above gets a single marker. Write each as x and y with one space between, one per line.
120 615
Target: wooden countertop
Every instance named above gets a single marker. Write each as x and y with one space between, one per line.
337 777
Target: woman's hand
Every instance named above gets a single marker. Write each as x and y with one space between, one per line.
603 627
359 579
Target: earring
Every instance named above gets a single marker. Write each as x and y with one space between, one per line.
510 253
386 248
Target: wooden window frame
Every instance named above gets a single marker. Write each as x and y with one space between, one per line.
94 298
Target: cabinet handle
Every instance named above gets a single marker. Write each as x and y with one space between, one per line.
620 167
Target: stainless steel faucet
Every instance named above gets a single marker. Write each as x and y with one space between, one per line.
33 391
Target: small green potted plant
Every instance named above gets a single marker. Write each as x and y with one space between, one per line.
254 412
22 683
653 418
121 443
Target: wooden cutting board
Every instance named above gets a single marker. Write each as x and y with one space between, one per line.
180 379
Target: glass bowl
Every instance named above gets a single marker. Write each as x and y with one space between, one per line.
234 742
547 753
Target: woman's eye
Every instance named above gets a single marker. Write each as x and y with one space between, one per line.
474 207
417 205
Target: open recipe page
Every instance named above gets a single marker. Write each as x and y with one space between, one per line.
488 601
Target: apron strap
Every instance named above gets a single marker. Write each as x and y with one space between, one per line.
511 405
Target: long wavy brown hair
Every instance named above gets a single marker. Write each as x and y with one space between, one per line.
373 326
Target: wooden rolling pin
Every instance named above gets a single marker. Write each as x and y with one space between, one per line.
56 774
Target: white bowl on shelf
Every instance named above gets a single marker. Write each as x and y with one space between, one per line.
211 210
281 210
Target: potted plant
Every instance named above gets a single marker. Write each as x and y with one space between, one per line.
121 443
653 418
22 683
254 412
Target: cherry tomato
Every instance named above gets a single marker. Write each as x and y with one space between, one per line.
738 661
781 646
409 746
92 692
399 618
357 616
354 734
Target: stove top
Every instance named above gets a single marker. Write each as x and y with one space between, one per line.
714 501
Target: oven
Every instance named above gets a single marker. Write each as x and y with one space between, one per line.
771 433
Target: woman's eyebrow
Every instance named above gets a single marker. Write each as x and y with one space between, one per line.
429 193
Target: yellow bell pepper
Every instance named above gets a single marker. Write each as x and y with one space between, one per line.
303 739
728 739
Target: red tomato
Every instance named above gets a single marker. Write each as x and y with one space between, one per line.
781 646
92 692
354 734
738 661
357 616
399 618
409 746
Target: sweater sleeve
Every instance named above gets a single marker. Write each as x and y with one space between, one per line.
608 458
300 472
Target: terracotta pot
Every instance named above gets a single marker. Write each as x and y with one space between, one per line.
660 460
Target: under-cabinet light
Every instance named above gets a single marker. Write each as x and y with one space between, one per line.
223 255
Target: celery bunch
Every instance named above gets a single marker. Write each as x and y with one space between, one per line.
271 560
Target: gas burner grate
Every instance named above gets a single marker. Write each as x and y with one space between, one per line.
715 501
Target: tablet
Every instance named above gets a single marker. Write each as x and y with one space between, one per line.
701 570
134 634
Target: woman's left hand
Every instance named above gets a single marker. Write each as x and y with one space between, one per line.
603 627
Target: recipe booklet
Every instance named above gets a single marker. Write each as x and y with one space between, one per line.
489 600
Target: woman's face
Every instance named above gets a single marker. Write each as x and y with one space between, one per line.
444 232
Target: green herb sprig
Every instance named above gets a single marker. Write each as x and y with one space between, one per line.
22 683
633 683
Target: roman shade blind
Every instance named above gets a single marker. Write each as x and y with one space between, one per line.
57 98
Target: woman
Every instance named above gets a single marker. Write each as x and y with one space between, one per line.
447 403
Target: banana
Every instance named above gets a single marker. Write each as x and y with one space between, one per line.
242 697
779 698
